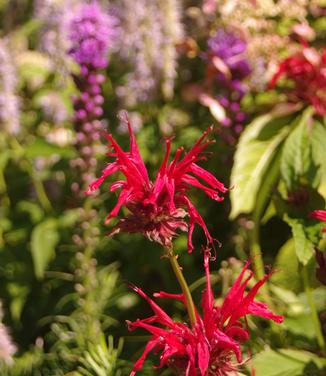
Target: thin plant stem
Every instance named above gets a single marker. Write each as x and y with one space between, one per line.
255 253
258 265
184 286
313 310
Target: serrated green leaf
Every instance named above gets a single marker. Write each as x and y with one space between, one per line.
304 248
297 163
254 156
286 362
44 239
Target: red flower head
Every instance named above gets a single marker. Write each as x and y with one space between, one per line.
319 214
158 209
307 70
212 346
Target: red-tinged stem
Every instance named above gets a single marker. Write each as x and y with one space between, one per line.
184 286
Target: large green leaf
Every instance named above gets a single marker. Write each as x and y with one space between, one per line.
44 239
287 362
254 157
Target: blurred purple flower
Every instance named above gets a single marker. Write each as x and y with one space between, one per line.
52 15
92 33
7 348
150 31
9 102
229 66
231 50
53 107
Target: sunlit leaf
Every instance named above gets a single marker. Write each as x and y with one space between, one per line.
287 362
253 159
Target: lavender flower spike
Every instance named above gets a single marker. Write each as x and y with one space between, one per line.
92 33
9 102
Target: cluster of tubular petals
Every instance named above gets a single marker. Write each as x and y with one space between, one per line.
159 209
212 345
307 71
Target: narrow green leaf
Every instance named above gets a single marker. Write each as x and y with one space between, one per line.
44 239
297 163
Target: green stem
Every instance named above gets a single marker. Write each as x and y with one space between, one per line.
314 313
255 253
184 287
258 264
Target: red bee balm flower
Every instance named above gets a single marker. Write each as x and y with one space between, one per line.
307 70
319 214
212 346
161 208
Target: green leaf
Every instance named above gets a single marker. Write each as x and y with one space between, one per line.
319 153
294 305
286 265
35 212
254 156
300 325
304 248
44 239
297 163
69 218
18 295
287 362
4 158
40 147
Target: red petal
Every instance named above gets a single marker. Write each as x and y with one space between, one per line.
207 177
162 317
110 169
139 363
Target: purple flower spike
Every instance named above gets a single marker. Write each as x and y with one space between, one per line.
92 33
